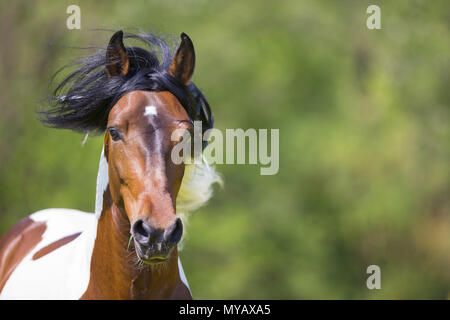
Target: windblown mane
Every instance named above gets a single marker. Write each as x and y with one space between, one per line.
82 101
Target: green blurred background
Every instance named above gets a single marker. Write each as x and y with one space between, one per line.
364 139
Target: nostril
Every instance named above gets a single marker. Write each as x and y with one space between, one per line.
174 233
141 231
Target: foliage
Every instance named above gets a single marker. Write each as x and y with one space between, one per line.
364 139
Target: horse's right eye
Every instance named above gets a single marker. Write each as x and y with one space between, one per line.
114 133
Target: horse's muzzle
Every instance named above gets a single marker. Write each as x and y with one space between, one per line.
154 245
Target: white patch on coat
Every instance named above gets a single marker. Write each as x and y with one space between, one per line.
102 184
150 111
182 275
62 273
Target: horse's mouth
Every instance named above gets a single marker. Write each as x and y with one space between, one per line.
151 258
154 260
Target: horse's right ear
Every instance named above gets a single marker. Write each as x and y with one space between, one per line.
117 62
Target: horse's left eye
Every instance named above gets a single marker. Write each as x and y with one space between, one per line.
114 133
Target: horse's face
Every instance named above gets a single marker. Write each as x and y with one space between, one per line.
143 179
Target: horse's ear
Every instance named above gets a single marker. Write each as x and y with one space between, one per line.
183 62
117 62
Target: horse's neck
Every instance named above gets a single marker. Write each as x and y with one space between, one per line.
115 270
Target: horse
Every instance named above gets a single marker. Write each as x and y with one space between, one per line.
128 248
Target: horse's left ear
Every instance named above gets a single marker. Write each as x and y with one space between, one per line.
117 62
183 62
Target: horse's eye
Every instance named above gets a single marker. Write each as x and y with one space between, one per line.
114 133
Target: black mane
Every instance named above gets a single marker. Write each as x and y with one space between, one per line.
82 101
